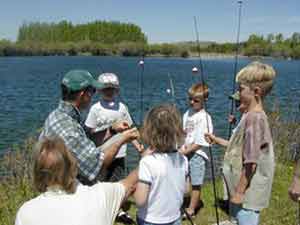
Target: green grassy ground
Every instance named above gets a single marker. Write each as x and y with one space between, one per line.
281 210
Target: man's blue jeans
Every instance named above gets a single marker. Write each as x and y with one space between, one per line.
244 216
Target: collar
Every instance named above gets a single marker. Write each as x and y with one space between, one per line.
112 105
69 109
54 191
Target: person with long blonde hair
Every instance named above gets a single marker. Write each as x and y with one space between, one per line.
162 173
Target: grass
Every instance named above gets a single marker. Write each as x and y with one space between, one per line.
282 210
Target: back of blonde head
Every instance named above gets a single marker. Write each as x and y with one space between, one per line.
54 164
257 74
162 128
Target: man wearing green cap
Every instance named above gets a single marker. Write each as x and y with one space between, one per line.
77 87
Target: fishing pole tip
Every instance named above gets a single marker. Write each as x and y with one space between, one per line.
195 70
141 62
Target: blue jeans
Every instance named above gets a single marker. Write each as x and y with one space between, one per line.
197 169
143 222
244 216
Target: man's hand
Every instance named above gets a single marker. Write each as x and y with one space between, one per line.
120 126
131 134
294 190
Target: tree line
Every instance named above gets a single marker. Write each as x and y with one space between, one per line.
126 39
64 31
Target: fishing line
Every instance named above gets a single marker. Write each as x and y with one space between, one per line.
233 91
208 130
235 64
171 90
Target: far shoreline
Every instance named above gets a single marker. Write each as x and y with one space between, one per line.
191 56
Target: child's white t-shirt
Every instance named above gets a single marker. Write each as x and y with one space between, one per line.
89 205
101 118
195 126
166 174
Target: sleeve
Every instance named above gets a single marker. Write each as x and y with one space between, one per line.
114 194
89 157
145 175
18 219
91 120
254 138
204 126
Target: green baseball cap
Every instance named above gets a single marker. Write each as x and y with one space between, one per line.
77 80
235 96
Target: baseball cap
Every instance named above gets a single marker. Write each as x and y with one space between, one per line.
109 80
235 96
77 80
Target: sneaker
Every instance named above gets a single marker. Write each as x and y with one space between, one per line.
124 217
223 205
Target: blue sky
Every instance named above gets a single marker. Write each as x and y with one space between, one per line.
161 20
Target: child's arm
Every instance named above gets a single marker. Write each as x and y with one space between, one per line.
130 183
145 179
187 149
245 179
212 139
139 147
141 194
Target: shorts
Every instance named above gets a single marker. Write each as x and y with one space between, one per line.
197 169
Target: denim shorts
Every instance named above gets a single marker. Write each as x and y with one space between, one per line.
143 222
197 169
244 216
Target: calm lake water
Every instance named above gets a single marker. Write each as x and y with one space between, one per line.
30 87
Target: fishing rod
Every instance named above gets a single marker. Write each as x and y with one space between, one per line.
298 212
235 64
207 120
141 64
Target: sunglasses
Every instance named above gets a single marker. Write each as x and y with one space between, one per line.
237 103
91 91
194 100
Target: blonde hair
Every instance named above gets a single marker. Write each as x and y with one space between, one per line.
54 164
257 74
162 128
199 90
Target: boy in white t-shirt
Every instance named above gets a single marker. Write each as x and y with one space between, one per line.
163 172
102 115
196 122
